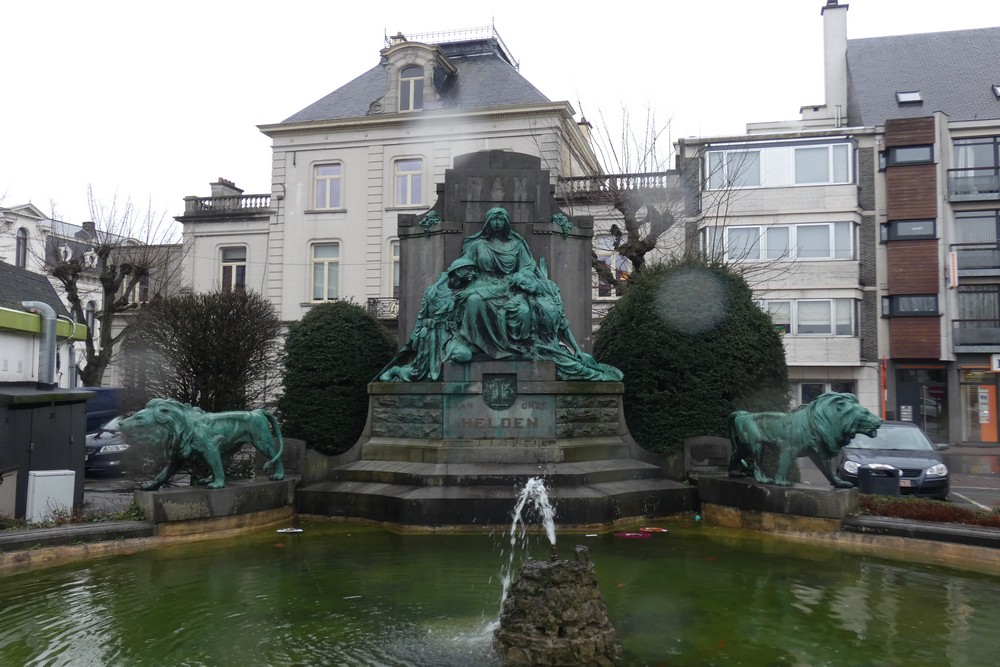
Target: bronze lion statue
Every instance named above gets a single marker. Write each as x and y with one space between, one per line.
819 429
181 431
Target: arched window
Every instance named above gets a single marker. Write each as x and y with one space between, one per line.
411 88
21 252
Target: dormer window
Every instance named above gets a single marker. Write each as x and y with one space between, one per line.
411 88
909 97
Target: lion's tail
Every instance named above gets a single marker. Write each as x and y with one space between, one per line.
277 434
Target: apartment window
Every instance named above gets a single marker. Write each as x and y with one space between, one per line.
813 317
898 155
810 391
409 182
327 183
733 169
21 249
234 269
976 153
325 271
908 230
394 253
753 243
822 164
411 88
979 302
781 165
909 305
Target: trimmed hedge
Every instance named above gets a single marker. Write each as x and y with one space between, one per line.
331 355
693 346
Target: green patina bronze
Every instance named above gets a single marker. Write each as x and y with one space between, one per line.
430 220
819 430
564 223
180 432
494 302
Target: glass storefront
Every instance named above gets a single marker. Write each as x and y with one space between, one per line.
922 398
979 405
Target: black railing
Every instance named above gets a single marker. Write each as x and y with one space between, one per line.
977 256
974 184
384 307
235 203
976 332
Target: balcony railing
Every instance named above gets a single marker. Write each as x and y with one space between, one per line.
974 184
384 307
604 186
233 204
977 258
979 333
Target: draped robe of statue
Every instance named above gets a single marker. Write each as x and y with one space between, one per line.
506 309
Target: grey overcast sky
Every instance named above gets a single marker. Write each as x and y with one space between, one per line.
153 101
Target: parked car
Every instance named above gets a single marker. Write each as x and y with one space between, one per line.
104 405
106 450
905 447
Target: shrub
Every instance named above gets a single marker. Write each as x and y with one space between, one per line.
330 357
693 346
921 509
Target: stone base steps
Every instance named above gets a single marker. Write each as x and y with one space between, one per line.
494 474
593 504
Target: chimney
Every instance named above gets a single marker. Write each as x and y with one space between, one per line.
835 59
225 188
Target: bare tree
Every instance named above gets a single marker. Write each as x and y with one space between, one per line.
638 183
121 259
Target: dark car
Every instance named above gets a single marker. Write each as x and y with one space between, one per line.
106 450
904 447
101 407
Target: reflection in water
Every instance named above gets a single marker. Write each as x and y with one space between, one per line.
340 594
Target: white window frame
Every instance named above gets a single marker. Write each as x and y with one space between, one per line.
775 165
321 268
229 270
411 89
328 189
408 182
837 308
761 251
394 259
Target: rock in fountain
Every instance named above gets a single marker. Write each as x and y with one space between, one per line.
554 614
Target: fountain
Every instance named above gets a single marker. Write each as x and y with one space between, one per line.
553 613
344 593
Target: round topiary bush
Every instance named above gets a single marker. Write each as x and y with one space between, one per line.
331 355
693 346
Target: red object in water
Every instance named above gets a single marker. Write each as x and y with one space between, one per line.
648 529
633 535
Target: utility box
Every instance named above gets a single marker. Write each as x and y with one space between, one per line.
878 478
49 492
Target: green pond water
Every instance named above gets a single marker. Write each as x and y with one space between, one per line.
341 594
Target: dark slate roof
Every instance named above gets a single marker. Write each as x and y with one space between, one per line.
484 79
17 285
954 72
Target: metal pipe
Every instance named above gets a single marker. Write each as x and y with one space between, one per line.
47 344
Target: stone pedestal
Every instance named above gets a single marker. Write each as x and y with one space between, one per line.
743 503
457 452
195 509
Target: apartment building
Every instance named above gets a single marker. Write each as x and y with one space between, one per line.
868 226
